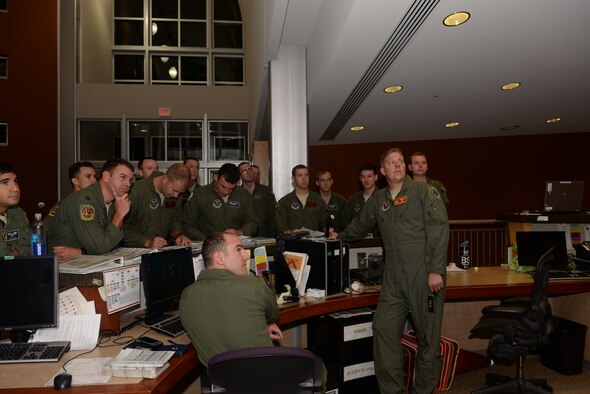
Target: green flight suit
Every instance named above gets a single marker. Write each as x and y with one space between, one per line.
441 189
415 233
222 311
82 222
291 215
206 213
15 233
150 216
264 203
335 209
353 208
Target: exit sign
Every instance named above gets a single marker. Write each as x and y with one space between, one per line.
164 111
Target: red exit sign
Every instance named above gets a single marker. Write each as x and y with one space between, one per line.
164 111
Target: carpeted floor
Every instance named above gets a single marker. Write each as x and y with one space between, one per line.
562 384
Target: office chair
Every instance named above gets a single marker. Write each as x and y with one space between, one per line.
517 330
264 370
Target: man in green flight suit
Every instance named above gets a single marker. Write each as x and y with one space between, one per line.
156 211
263 201
418 167
92 219
219 206
335 202
15 233
368 178
414 228
301 208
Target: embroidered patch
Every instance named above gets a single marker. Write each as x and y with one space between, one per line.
332 206
12 235
357 207
434 193
386 205
154 203
53 210
233 204
311 204
217 203
295 205
257 196
3 234
87 212
400 200
171 204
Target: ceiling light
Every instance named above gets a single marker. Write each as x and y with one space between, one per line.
510 127
511 85
173 72
393 88
456 18
154 28
553 120
452 124
164 59
357 128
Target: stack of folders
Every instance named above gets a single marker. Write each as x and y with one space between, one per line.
137 363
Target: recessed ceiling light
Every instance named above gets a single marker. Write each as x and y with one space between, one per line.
357 128
511 85
456 18
452 124
393 88
553 120
510 127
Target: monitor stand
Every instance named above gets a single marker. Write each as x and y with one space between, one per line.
20 336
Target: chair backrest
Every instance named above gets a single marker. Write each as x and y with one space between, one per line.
265 370
539 317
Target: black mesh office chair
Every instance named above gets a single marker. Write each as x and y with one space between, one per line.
264 370
518 329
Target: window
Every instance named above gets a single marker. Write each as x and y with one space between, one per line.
179 41
3 134
3 5
228 141
99 140
3 66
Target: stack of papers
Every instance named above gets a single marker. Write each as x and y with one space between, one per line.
136 363
85 264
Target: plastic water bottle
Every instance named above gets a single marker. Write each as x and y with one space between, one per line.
38 236
464 255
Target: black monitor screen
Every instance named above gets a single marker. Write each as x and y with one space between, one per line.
29 290
165 275
531 245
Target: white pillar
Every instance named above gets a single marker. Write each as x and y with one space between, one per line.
288 95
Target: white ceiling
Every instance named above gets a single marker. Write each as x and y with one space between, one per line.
449 74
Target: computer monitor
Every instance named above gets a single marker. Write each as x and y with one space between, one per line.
29 290
531 245
165 275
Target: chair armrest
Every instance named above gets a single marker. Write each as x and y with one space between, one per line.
507 309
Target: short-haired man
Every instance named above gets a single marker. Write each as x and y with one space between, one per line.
193 165
147 166
92 219
227 309
418 167
368 178
301 208
335 202
82 174
256 173
263 201
413 222
220 206
156 213
15 233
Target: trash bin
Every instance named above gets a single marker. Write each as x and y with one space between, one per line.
565 353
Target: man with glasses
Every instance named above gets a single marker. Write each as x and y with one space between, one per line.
414 227
263 201
221 206
334 201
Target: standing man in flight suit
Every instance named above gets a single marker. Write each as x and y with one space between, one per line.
263 201
15 233
335 202
156 212
414 228
92 219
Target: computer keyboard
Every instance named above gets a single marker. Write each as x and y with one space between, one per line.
32 352
170 326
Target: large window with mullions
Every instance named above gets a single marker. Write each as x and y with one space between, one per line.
188 42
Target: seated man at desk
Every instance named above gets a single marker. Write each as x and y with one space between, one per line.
226 308
92 219
156 211
15 234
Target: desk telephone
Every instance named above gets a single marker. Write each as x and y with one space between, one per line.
583 250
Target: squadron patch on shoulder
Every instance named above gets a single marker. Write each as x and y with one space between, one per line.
386 205
53 210
295 205
217 203
86 212
434 193
154 203
400 200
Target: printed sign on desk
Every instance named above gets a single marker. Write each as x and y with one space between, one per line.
122 287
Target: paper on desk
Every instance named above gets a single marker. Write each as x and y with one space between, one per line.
85 371
81 330
72 302
198 265
303 279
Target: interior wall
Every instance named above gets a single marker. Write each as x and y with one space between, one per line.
483 176
28 98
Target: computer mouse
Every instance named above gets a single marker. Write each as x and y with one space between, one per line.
62 381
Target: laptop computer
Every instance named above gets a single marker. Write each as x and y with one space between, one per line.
563 196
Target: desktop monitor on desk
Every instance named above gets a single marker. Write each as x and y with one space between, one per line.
29 290
165 275
531 245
